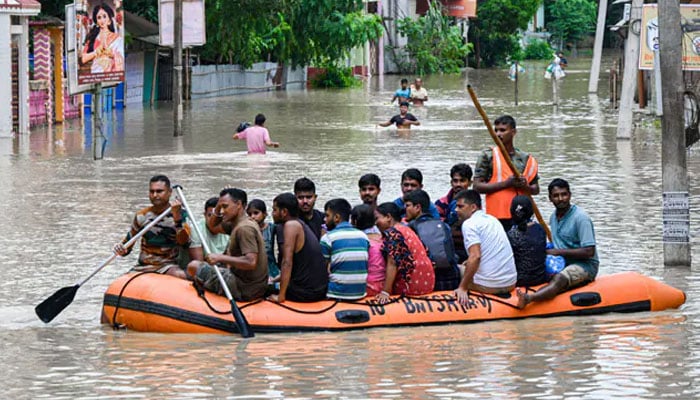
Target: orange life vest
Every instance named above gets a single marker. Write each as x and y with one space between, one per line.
498 203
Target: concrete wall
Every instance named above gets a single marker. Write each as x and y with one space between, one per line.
5 77
227 80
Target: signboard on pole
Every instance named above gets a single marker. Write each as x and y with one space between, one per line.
72 36
193 23
100 41
676 217
649 36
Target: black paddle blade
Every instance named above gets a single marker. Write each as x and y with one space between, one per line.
242 323
51 307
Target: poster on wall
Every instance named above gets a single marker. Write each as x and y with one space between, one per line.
649 36
99 37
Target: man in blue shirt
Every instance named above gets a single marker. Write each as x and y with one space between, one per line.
346 252
403 94
412 179
574 239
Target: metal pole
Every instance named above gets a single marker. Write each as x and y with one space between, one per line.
674 169
658 90
516 83
177 70
625 124
97 136
597 47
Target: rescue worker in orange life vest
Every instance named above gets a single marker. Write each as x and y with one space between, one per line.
494 178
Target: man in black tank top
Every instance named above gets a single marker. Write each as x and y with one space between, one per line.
303 275
305 192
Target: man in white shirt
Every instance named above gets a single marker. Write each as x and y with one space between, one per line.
490 267
418 93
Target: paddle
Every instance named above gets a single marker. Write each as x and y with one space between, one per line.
52 306
506 155
242 323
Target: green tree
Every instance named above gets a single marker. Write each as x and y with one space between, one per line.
571 20
495 31
433 45
295 32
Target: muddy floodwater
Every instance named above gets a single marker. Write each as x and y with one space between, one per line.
63 211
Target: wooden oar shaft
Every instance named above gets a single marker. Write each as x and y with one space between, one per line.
243 326
128 244
506 156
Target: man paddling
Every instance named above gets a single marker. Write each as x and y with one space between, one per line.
161 245
574 239
244 263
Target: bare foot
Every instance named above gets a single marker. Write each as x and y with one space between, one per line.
523 299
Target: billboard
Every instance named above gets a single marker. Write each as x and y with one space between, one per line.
99 41
193 23
649 36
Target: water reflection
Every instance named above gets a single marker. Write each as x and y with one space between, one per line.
64 212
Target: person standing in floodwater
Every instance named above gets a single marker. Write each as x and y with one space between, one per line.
256 136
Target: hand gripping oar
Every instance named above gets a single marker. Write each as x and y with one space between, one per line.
506 155
242 323
52 306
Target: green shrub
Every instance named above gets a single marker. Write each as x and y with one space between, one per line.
538 50
335 77
434 44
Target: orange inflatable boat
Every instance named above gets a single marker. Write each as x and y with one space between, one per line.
159 303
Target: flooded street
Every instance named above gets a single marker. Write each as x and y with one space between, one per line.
64 212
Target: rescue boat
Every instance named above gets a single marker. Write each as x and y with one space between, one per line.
151 302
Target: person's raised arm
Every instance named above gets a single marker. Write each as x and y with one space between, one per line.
385 124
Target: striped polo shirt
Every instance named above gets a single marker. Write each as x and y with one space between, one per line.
346 249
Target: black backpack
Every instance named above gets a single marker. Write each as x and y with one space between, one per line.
437 239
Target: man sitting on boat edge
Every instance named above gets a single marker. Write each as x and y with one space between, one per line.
490 267
303 273
244 263
160 246
574 239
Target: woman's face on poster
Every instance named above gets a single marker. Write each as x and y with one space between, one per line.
103 20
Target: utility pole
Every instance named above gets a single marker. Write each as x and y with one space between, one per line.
674 169
625 123
598 47
177 70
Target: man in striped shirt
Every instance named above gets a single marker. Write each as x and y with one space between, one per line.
345 249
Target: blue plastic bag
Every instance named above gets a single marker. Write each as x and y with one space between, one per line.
553 264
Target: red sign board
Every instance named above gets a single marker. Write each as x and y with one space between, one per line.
455 8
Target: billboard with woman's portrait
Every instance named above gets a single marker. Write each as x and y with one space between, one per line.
100 41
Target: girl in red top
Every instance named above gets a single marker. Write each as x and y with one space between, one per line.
409 271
